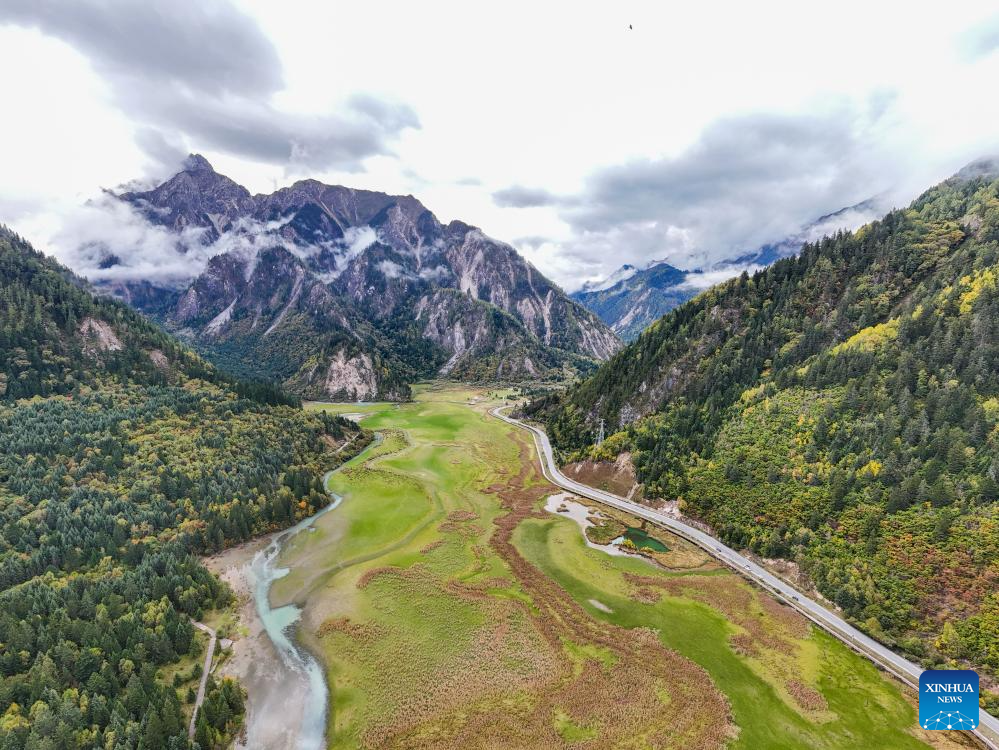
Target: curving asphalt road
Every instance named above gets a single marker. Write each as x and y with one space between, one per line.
988 729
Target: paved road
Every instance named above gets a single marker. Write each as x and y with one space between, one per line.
204 673
988 730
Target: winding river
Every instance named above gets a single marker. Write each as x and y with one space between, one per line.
303 674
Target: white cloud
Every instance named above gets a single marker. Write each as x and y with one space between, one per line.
850 218
108 240
437 273
624 273
545 104
393 270
390 269
355 241
207 70
705 279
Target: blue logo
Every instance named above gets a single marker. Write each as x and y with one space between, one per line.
948 699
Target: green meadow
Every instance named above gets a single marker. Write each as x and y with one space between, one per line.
865 710
443 623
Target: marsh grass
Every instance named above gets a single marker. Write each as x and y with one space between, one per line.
452 612
788 684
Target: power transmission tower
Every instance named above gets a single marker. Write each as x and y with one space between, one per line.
600 435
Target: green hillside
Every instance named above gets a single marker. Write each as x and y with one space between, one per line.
838 409
123 456
55 335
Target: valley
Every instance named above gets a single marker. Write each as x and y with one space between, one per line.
836 411
442 588
409 377
449 608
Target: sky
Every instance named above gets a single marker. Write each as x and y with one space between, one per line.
586 135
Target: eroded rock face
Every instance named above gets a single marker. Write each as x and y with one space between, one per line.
480 340
313 266
494 272
350 379
98 336
346 374
159 359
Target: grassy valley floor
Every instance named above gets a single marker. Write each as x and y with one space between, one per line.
452 611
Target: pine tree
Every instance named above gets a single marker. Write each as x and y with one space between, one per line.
203 734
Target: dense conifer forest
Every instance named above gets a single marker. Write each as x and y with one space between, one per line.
124 455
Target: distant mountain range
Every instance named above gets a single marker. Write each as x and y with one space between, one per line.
343 293
632 298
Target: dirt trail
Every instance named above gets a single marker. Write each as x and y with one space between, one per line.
204 673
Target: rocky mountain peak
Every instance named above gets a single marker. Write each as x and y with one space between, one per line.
327 273
197 163
198 196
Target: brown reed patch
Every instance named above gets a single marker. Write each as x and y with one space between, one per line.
460 522
467 530
370 575
446 667
428 548
355 630
744 645
806 696
646 595
793 622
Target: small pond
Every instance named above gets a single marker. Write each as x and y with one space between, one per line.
641 540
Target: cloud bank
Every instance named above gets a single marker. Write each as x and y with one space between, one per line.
980 40
107 240
700 280
206 70
745 182
517 196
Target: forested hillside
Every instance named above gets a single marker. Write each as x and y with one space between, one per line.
838 409
55 335
124 456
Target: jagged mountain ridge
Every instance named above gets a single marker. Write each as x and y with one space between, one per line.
358 275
